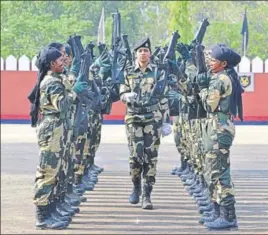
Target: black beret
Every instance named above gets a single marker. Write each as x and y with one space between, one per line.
143 43
45 56
223 53
56 45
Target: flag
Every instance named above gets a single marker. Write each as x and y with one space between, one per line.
101 29
244 33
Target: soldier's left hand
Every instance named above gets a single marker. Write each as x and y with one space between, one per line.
202 80
166 129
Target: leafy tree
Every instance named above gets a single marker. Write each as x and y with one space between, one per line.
179 19
27 26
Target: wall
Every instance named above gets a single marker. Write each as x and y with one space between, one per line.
19 76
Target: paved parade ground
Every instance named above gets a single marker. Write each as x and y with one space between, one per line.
107 210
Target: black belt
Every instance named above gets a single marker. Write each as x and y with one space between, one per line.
146 109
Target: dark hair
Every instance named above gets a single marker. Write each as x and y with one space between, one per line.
56 45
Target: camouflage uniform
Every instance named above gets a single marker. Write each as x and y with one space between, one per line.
143 123
51 130
70 147
93 137
196 114
218 135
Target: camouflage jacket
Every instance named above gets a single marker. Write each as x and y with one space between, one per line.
216 98
148 105
56 96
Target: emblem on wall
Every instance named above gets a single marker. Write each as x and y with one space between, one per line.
247 81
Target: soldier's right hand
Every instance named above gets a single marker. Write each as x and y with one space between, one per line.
183 50
80 87
130 97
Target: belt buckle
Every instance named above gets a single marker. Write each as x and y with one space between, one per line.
147 109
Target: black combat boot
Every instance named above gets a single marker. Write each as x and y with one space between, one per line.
67 206
226 220
78 186
211 216
71 194
57 216
94 167
146 197
45 221
134 197
178 170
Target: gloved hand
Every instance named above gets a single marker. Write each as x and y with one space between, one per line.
202 80
75 68
173 95
183 50
130 97
80 87
166 129
103 62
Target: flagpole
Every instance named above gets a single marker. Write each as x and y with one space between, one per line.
245 37
103 29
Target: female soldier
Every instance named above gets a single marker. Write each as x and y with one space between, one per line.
147 115
48 110
221 97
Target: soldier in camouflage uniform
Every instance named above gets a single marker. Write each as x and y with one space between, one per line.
219 94
52 102
146 118
193 176
72 67
60 198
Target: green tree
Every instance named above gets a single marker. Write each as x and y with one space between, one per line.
179 19
27 26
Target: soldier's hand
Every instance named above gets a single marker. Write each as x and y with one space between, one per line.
166 129
130 97
80 87
202 80
183 50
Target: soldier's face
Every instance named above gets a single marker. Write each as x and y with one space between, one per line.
216 65
64 55
57 65
68 61
143 55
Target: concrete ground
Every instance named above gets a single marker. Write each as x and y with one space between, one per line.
107 210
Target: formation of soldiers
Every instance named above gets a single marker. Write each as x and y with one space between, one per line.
199 89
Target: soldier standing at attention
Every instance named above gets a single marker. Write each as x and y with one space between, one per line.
146 118
221 97
48 110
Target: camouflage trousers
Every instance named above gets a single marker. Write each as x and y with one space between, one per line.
93 137
66 175
79 162
196 145
181 136
50 135
143 143
218 134
88 143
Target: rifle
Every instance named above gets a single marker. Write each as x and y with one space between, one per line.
84 100
117 69
127 48
101 47
199 36
200 59
165 66
95 88
76 46
154 56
